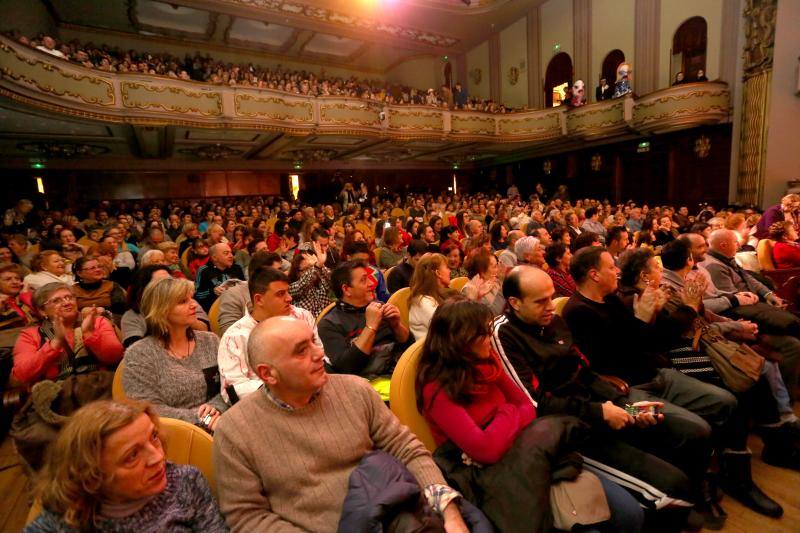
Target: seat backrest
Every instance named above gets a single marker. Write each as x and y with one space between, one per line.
185 259
560 302
458 283
325 311
188 444
117 391
403 395
398 212
213 317
400 299
377 253
764 253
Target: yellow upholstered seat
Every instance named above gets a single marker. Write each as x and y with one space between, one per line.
213 317
185 259
560 302
325 311
398 212
377 253
764 253
117 391
458 283
403 395
400 299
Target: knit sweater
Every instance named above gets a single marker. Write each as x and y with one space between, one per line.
177 387
185 505
287 470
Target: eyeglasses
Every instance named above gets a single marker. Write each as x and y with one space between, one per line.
61 300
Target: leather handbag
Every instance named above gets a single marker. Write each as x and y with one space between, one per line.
580 501
737 364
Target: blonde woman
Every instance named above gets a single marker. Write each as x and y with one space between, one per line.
429 288
48 267
174 366
107 471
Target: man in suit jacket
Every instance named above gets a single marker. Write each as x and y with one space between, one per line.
603 91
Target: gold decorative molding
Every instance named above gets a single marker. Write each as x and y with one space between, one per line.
355 113
49 78
273 107
543 126
400 118
462 124
146 96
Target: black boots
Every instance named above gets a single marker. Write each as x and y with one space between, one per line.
737 481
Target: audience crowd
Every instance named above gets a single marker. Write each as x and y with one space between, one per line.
204 68
580 364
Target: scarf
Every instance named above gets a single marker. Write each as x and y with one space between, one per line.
486 373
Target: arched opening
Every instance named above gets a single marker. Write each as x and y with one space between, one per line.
557 78
689 48
609 71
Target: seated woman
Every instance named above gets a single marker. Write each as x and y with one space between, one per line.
785 251
455 260
484 286
172 258
92 289
390 249
499 233
558 258
429 288
480 417
448 237
48 267
133 324
174 366
67 341
107 471
16 308
310 280
198 256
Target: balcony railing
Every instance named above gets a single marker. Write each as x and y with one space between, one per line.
36 79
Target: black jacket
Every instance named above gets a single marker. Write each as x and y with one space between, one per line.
556 375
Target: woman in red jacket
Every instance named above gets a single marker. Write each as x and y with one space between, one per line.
484 423
67 342
785 251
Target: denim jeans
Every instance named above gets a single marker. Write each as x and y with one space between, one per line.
627 516
772 374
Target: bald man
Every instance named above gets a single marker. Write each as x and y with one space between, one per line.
782 328
210 277
284 454
537 351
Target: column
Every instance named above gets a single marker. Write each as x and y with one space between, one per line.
535 96
647 28
494 67
582 40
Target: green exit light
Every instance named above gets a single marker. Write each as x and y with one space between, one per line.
644 144
556 47
37 166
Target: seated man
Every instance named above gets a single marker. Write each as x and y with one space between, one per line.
284 454
536 349
212 276
359 251
400 276
361 336
235 302
269 293
782 328
616 342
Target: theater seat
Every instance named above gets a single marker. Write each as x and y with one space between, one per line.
185 259
764 253
185 444
213 317
400 299
560 302
403 395
325 311
117 391
779 276
458 283
377 254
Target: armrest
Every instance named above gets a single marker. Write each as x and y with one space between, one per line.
618 383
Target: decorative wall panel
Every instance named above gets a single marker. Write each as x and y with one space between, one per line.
415 119
173 99
273 107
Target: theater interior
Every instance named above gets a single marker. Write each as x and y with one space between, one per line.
256 116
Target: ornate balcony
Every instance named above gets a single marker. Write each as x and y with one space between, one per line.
32 78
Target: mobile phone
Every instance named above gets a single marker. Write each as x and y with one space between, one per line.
636 410
206 420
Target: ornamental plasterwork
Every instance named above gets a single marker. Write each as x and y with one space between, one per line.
215 104
330 16
759 31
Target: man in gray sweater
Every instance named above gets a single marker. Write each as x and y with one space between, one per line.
284 454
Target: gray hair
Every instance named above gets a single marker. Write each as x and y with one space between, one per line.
147 257
525 246
214 249
44 293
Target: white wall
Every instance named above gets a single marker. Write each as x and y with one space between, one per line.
612 28
421 73
514 53
673 14
478 58
557 27
27 17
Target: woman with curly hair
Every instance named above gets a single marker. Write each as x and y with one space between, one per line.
785 251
